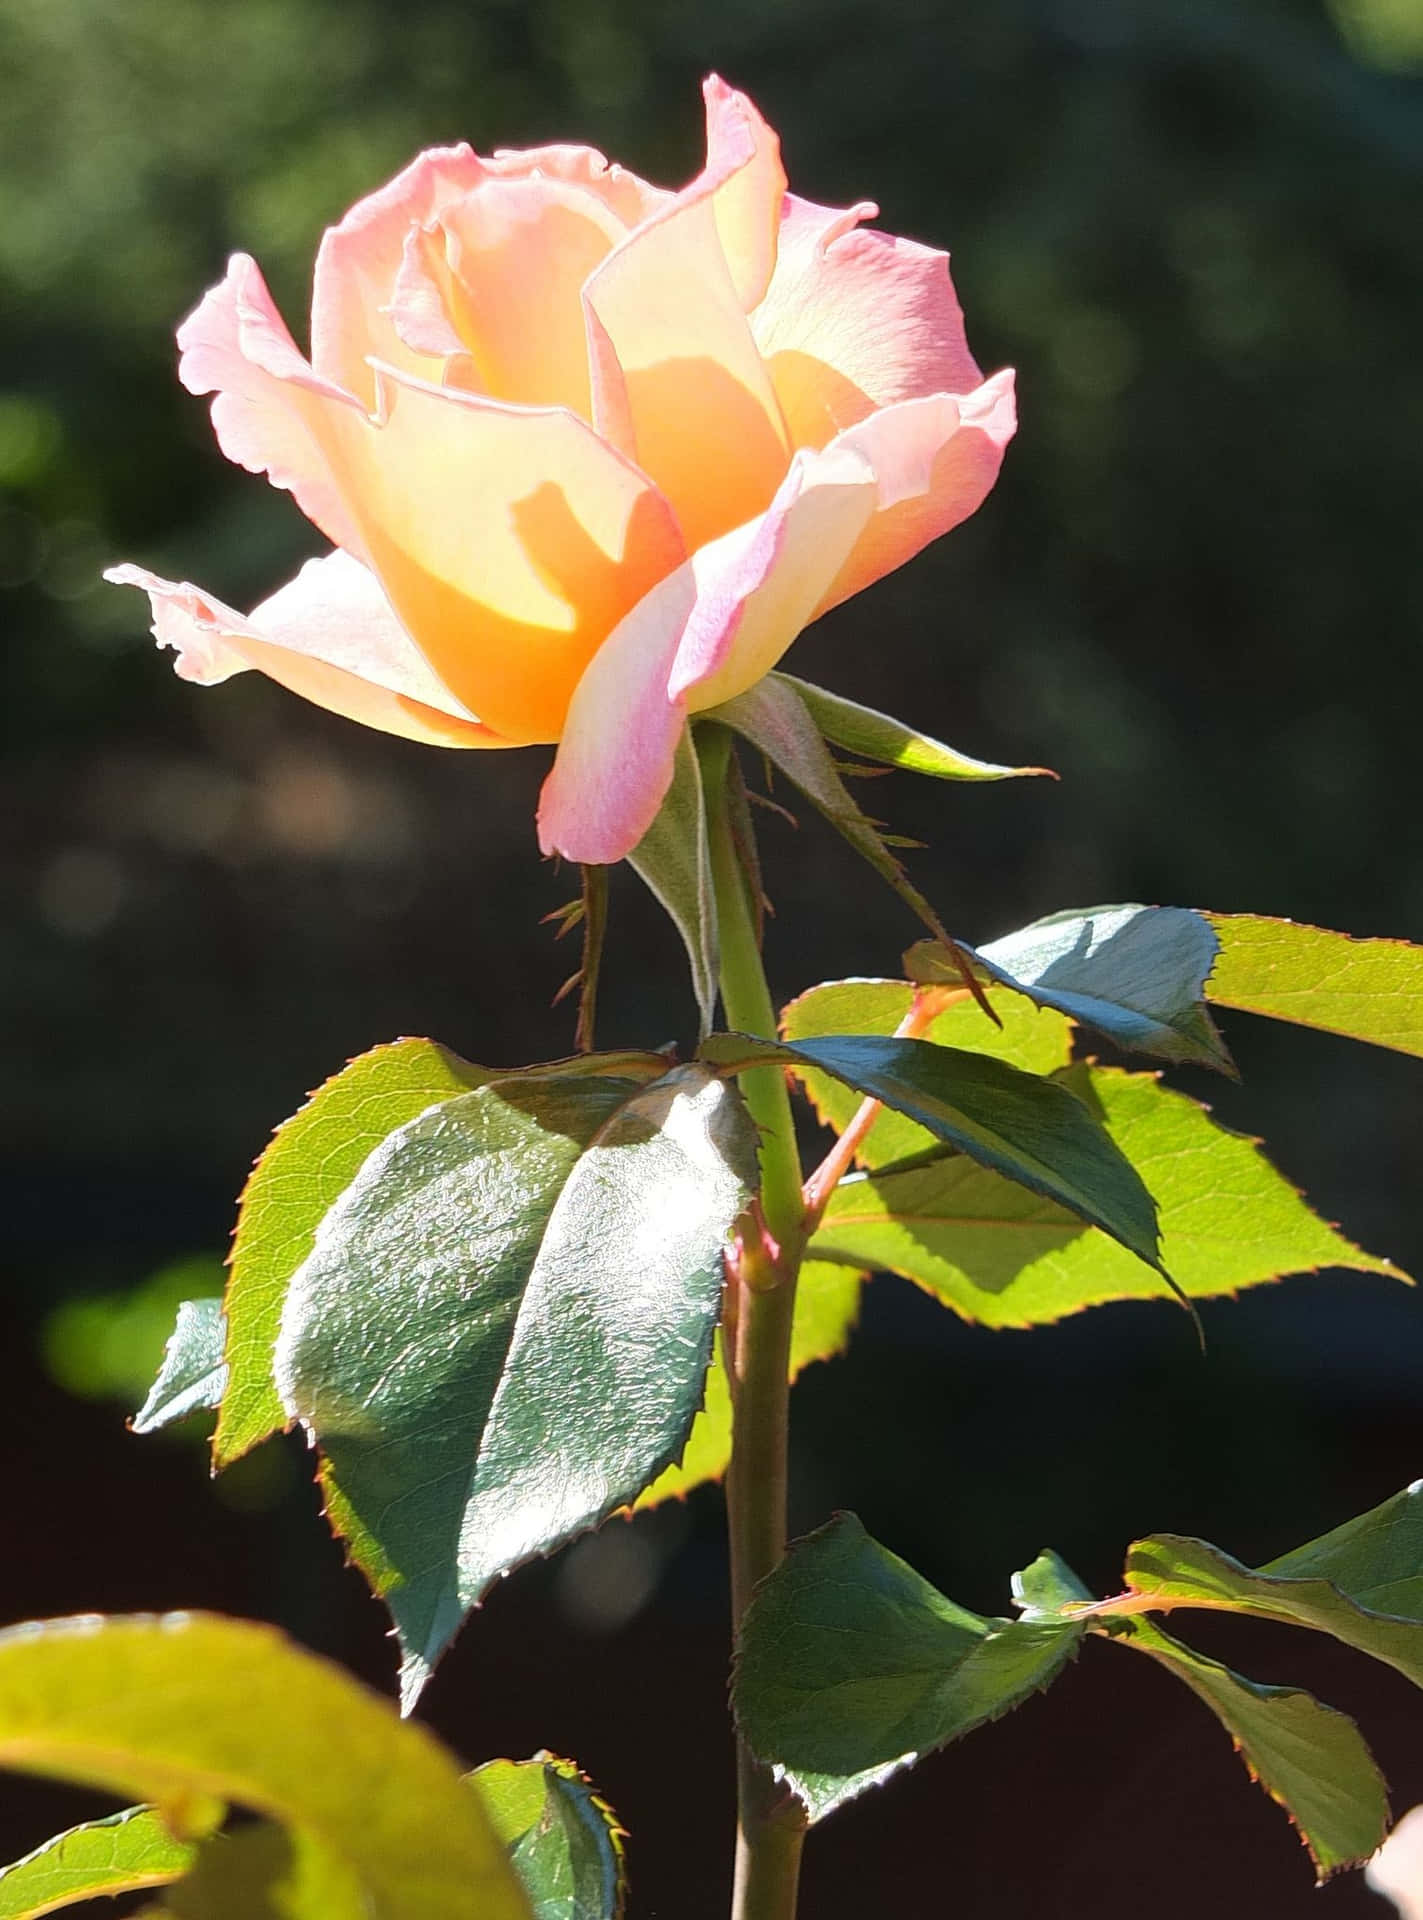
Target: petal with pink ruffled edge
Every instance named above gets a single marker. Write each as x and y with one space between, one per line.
509 540
358 261
704 634
329 635
936 460
696 392
855 320
496 281
269 404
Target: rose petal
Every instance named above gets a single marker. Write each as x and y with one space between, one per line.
707 632
700 402
328 635
359 259
268 401
622 192
498 278
855 320
748 205
509 540
935 460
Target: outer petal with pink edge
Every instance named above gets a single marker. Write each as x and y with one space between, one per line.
936 460
855 320
702 635
329 635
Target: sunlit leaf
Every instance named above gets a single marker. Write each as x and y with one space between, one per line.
827 1305
1362 1583
502 1332
1365 989
1309 1757
1000 1254
188 1708
1134 973
311 1159
193 1377
564 1843
876 736
1031 1129
851 1666
268 1872
674 860
128 1850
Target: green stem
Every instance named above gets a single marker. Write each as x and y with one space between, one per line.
761 1310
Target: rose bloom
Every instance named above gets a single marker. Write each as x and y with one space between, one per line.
590 453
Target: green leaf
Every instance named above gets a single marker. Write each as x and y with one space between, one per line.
502 1332
564 1843
1362 1583
1309 1757
674 859
1031 1038
1006 1257
186 1708
851 1666
827 1304
267 1872
776 720
193 1377
1136 974
876 736
309 1162
1033 1130
129 1850
1365 989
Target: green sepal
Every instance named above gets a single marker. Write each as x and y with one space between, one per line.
673 858
563 1841
193 1376
879 737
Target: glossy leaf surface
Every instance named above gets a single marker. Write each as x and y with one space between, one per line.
674 860
877 736
1006 1257
502 1332
311 1159
851 1666
827 1305
191 1709
193 1377
1035 1040
127 1851
1136 974
564 1843
1365 989
1032 1130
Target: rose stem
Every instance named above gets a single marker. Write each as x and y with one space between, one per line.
762 1273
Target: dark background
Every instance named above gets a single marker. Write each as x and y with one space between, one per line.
1194 228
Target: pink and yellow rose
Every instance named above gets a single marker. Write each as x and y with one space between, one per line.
590 453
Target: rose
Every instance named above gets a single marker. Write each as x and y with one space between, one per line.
591 453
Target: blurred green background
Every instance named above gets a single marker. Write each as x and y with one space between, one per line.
1194 227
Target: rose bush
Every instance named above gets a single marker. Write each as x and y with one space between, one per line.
590 453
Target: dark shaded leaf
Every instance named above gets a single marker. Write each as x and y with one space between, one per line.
673 858
564 1843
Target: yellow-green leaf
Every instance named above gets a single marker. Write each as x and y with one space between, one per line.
128 1850
1364 989
188 1707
